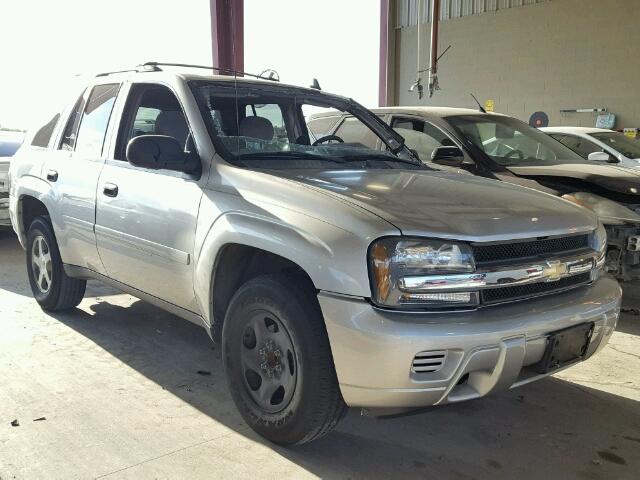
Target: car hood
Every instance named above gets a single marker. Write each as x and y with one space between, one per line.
448 205
609 177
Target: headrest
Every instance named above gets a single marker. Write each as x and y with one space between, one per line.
256 127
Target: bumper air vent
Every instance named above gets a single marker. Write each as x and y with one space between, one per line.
428 362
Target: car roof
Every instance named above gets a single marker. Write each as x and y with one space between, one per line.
431 111
195 74
574 129
434 111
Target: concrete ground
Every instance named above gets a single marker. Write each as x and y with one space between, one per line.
116 387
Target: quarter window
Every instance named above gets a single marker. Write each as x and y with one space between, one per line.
71 129
321 127
43 135
93 127
353 131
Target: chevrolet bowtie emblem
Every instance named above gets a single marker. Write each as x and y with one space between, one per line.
554 270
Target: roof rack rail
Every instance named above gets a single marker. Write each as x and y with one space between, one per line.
139 68
155 66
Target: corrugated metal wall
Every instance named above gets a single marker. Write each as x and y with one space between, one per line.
407 10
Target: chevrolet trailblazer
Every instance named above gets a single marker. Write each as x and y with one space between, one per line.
333 274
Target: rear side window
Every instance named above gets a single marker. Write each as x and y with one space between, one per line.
43 135
93 126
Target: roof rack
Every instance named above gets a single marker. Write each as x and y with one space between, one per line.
155 67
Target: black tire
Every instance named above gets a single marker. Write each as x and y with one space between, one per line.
314 405
62 292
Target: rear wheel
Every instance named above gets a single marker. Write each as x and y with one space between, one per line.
51 286
278 361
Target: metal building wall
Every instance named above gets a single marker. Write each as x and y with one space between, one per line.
407 10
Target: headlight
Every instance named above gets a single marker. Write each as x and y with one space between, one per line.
400 267
599 244
608 211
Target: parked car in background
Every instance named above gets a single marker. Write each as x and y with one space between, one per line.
9 144
504 148
599 144
333 275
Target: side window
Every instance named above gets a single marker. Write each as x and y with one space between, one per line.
151 110
43 135
321 127
353 131
581 146
71 129
93 126
421 136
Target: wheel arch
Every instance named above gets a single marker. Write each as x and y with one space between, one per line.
262 245
33 201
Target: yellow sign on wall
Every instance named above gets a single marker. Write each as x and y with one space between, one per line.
631 132
488 105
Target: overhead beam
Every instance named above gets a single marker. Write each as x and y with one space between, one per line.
227 33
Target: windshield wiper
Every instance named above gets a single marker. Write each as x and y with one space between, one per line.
384 158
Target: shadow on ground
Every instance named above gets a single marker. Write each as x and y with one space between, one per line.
552 426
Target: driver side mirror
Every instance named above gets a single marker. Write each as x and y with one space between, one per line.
448 156
602 157
161 152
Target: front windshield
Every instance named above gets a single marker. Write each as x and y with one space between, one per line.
267 126
510 142
619 142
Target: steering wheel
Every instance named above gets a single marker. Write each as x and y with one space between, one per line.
514 153
327 138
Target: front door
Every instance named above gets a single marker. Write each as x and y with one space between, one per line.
146 219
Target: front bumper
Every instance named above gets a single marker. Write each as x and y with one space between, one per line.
485 350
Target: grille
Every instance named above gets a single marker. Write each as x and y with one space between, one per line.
428 362
4 194
518 250
505 294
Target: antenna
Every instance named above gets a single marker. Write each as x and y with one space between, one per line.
315 85
480 107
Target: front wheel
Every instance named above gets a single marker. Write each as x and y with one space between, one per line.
278 361
51 286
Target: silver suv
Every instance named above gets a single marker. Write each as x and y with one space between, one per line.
333 274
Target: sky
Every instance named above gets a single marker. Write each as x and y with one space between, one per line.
49 47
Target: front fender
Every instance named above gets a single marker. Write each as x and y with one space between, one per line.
334 259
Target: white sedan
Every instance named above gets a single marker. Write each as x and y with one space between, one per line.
589 143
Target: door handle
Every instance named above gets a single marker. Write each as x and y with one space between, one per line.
52 175
110 190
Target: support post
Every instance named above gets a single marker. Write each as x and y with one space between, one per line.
227 33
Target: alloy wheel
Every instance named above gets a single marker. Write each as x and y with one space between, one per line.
41 263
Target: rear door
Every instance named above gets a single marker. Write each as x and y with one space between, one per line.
72 170
146 219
